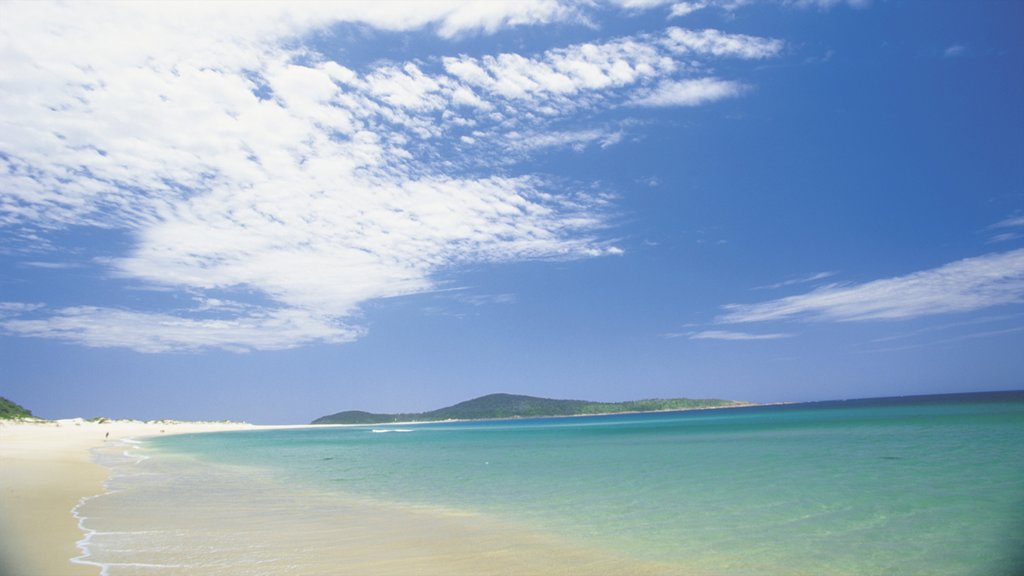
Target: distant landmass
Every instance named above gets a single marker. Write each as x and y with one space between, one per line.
11 411
501 406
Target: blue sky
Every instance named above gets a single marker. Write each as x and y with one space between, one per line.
273 212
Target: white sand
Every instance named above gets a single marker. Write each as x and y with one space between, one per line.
45 470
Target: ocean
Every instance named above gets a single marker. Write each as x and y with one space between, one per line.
927 485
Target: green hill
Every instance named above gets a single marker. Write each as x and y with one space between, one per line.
11 411
497 406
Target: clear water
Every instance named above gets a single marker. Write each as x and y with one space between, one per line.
926 485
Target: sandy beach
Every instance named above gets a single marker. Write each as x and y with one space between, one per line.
45 470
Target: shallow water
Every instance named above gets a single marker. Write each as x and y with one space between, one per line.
930 485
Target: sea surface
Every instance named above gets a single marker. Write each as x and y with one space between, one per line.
928 485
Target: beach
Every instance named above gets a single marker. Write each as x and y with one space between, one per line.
50 470
46 469
872 487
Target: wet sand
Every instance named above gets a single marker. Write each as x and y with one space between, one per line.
45 470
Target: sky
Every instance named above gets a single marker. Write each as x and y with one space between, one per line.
272 212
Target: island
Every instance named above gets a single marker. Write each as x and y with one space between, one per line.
504 406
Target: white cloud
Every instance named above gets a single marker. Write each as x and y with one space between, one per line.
8 309
962 286
154 332
578 140
235 159
491 16
735 336
562 74
639 4
718 43
332 251
694 92
680 9
559 77
827 4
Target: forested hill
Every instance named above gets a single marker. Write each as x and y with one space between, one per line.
11 411
497 406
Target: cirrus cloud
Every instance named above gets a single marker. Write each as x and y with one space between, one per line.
237 158
732 335
154 332
966 285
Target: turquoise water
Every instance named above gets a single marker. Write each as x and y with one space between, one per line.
926 485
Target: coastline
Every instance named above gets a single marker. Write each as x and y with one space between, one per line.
553 416
242 505
174 514
47 470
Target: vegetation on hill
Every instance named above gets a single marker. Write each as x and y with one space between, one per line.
11 411
498 406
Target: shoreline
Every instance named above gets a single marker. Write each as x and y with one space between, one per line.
47 472
177 515
244 506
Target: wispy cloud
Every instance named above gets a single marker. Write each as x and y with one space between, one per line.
679 9
974 335
485 299
1003 230
963 286
799 280
954 50
734 336
827 4
1005 237
8 309
953 326
578 140
1011 222
157 332
238 159
51 265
